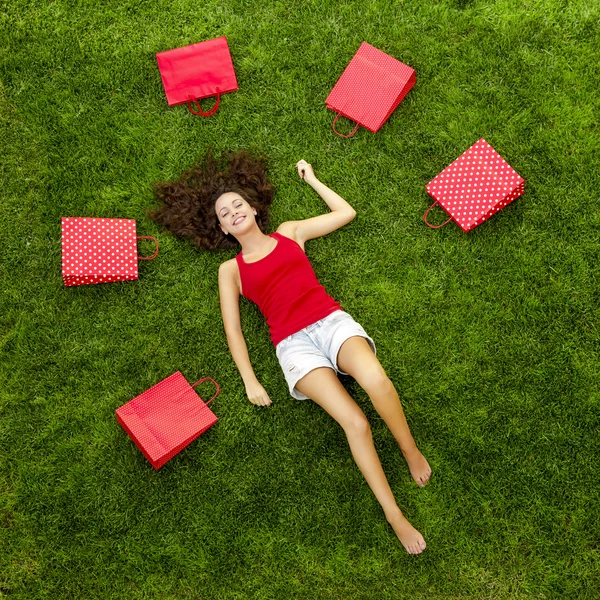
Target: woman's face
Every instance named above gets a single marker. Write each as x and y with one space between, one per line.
234 213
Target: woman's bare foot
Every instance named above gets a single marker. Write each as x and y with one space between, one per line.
411 539
419 467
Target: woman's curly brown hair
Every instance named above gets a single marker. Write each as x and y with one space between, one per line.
188 208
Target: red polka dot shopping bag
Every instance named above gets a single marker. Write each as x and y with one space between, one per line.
370 88
197 71
100 250
475 186
166 418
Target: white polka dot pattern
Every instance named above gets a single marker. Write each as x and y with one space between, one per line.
476 186
163 420
98 250
371 87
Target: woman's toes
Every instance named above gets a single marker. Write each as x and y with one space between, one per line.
419 547
419 467
411 539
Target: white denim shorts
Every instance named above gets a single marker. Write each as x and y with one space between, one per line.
317 346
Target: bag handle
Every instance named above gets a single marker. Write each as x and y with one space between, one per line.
148 237
429 224
216 386
200 112
337 116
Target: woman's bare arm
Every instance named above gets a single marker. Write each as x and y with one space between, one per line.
229 295
341 212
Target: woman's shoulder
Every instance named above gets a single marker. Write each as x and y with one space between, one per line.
288 230
230 270
229 266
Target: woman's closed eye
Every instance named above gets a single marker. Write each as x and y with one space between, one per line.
223 215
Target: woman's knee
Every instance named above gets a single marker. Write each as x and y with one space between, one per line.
324 388
357 425
376 383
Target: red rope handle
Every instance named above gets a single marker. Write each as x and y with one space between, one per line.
337 116
429 224
148 237
200 112
216 386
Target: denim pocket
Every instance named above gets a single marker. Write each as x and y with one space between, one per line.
337 315
282 344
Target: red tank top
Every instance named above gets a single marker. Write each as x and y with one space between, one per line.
285 288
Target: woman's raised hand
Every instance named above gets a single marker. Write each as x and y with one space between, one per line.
305 170
257 394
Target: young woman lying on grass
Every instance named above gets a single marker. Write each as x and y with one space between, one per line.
221 204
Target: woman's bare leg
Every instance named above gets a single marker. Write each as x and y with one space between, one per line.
324 388
358 360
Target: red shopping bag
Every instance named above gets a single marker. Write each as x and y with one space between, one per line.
370 89
100 250
197 71
474 187
166 418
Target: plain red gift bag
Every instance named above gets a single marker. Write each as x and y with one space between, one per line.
166 418
100 250
197 71
474 187
370 88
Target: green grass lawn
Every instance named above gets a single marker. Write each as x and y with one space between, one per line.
491 337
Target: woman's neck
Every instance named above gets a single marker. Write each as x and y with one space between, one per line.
254 241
